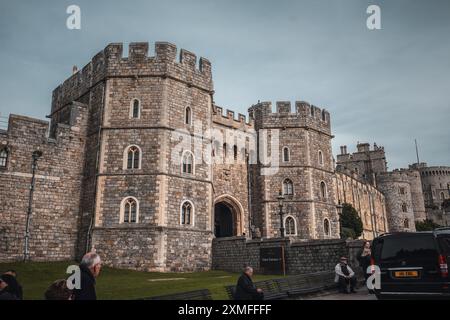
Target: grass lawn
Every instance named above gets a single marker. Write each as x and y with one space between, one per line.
35 277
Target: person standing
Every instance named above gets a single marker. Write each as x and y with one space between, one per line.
246 289
364 258
90 267
345 276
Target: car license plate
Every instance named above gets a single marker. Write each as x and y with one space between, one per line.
406 274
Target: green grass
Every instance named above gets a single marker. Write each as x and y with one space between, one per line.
35 278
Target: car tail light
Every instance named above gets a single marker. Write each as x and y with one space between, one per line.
443 266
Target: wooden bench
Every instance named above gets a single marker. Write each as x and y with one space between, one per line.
270 288
203 294
292 286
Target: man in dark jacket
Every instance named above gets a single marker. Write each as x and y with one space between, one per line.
90 267
246 289
7 287
19 287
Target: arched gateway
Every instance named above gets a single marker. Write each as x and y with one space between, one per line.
228 219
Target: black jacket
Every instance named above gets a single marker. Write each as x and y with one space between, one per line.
87 290
246 290
5 295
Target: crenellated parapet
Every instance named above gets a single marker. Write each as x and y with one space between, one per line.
304 115
229 119
110 63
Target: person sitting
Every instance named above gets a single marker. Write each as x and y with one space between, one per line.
58 290
345 277
246 289
8 289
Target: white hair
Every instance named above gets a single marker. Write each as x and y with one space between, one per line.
90 259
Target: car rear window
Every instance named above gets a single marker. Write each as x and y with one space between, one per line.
411 248
444 241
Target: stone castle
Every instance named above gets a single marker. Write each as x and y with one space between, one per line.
139 163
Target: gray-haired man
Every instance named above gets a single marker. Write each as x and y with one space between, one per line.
90 267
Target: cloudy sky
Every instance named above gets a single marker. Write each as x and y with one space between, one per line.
387 86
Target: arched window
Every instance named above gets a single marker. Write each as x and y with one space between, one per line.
406 224
129 210
187 213
324 116
288 187
135 111
188 162
286 154
326 227
404 207
320 158
442 195
133 157
323 190
290 226
188 116
3 158
235 152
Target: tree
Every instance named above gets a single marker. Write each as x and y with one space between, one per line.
351 224
426 225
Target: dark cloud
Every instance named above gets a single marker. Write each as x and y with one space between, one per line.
388 86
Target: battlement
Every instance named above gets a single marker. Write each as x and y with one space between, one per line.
110 62
228 119
398 176
304 114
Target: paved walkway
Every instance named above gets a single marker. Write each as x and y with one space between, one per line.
361 294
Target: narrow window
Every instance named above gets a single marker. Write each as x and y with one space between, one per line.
406 224
290 226
136 109
188 162
326 227
130 210
186 213
224 150
404 207
288 188
286 154
188 116
3 158
133 155
323 190
235 152
324 116
320 158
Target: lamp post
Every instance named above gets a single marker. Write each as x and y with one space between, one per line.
280 199
339 208
35 156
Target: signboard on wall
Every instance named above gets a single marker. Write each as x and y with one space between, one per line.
272 260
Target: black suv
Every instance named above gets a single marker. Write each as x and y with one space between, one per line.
413 264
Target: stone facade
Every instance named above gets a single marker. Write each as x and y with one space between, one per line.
301 257
366 199
402 188
141 165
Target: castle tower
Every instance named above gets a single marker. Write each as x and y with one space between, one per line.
147 191
396 187
299 163
367 163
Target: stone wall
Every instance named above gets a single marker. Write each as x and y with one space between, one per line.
231 254
56 201
366 199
